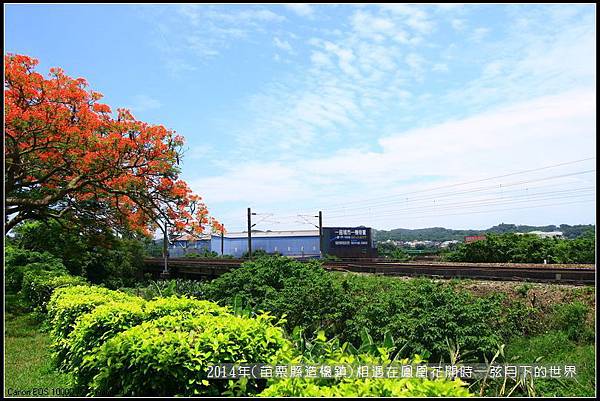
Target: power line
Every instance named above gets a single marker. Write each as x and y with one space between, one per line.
431 209
491 211
461 183
345 210
528 196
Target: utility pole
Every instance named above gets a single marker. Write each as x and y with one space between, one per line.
320 232
250 234
222 240
165 272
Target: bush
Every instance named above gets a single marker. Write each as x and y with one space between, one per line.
421 313
331 353
104 322
39 286
19 261
168 306
304 292
169 356
167 288
68 304
551 348
94 253
95 328
513 248
572 319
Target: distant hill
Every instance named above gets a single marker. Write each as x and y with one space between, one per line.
445 234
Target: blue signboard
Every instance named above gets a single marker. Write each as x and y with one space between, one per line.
349 237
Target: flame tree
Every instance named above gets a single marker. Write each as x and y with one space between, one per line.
69 156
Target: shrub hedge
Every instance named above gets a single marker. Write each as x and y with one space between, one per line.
20 261
38 287
169 356
68 304
330 353
116 344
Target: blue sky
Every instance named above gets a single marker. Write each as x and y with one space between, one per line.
353 110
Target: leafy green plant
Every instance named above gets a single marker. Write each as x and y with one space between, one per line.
105 321
39 286
304 292
509 247
571 318
19 261
330 352
169 356
92 252
68 304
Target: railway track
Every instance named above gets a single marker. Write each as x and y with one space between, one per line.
561 274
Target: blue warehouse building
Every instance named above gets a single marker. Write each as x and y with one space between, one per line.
299 243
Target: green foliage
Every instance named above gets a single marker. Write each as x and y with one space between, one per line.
39 286
552 348
444 234
97 255
92 330
19 261
68 304
304 292
165 288
421 313
331 353
391 251
174 305
513 248
571 318
169 356
105 321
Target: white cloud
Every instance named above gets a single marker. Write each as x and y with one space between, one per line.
440 67
458 24
543 131
283 44
301 9
479 33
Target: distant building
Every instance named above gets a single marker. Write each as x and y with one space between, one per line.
446 244
473 238
545 234
289 243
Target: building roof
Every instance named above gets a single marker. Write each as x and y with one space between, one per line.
272 234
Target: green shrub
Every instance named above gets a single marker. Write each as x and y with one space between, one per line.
421 313
166 288
105 321
572 319
19 261
89 251
68 304
304 292
39 286
370 354
169 356
510 247
95 328
552 348
167 306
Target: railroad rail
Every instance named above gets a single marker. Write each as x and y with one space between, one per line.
561 274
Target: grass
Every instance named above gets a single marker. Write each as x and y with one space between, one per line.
28 367
553 348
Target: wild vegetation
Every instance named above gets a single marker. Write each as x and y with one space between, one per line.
503 248
445 234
